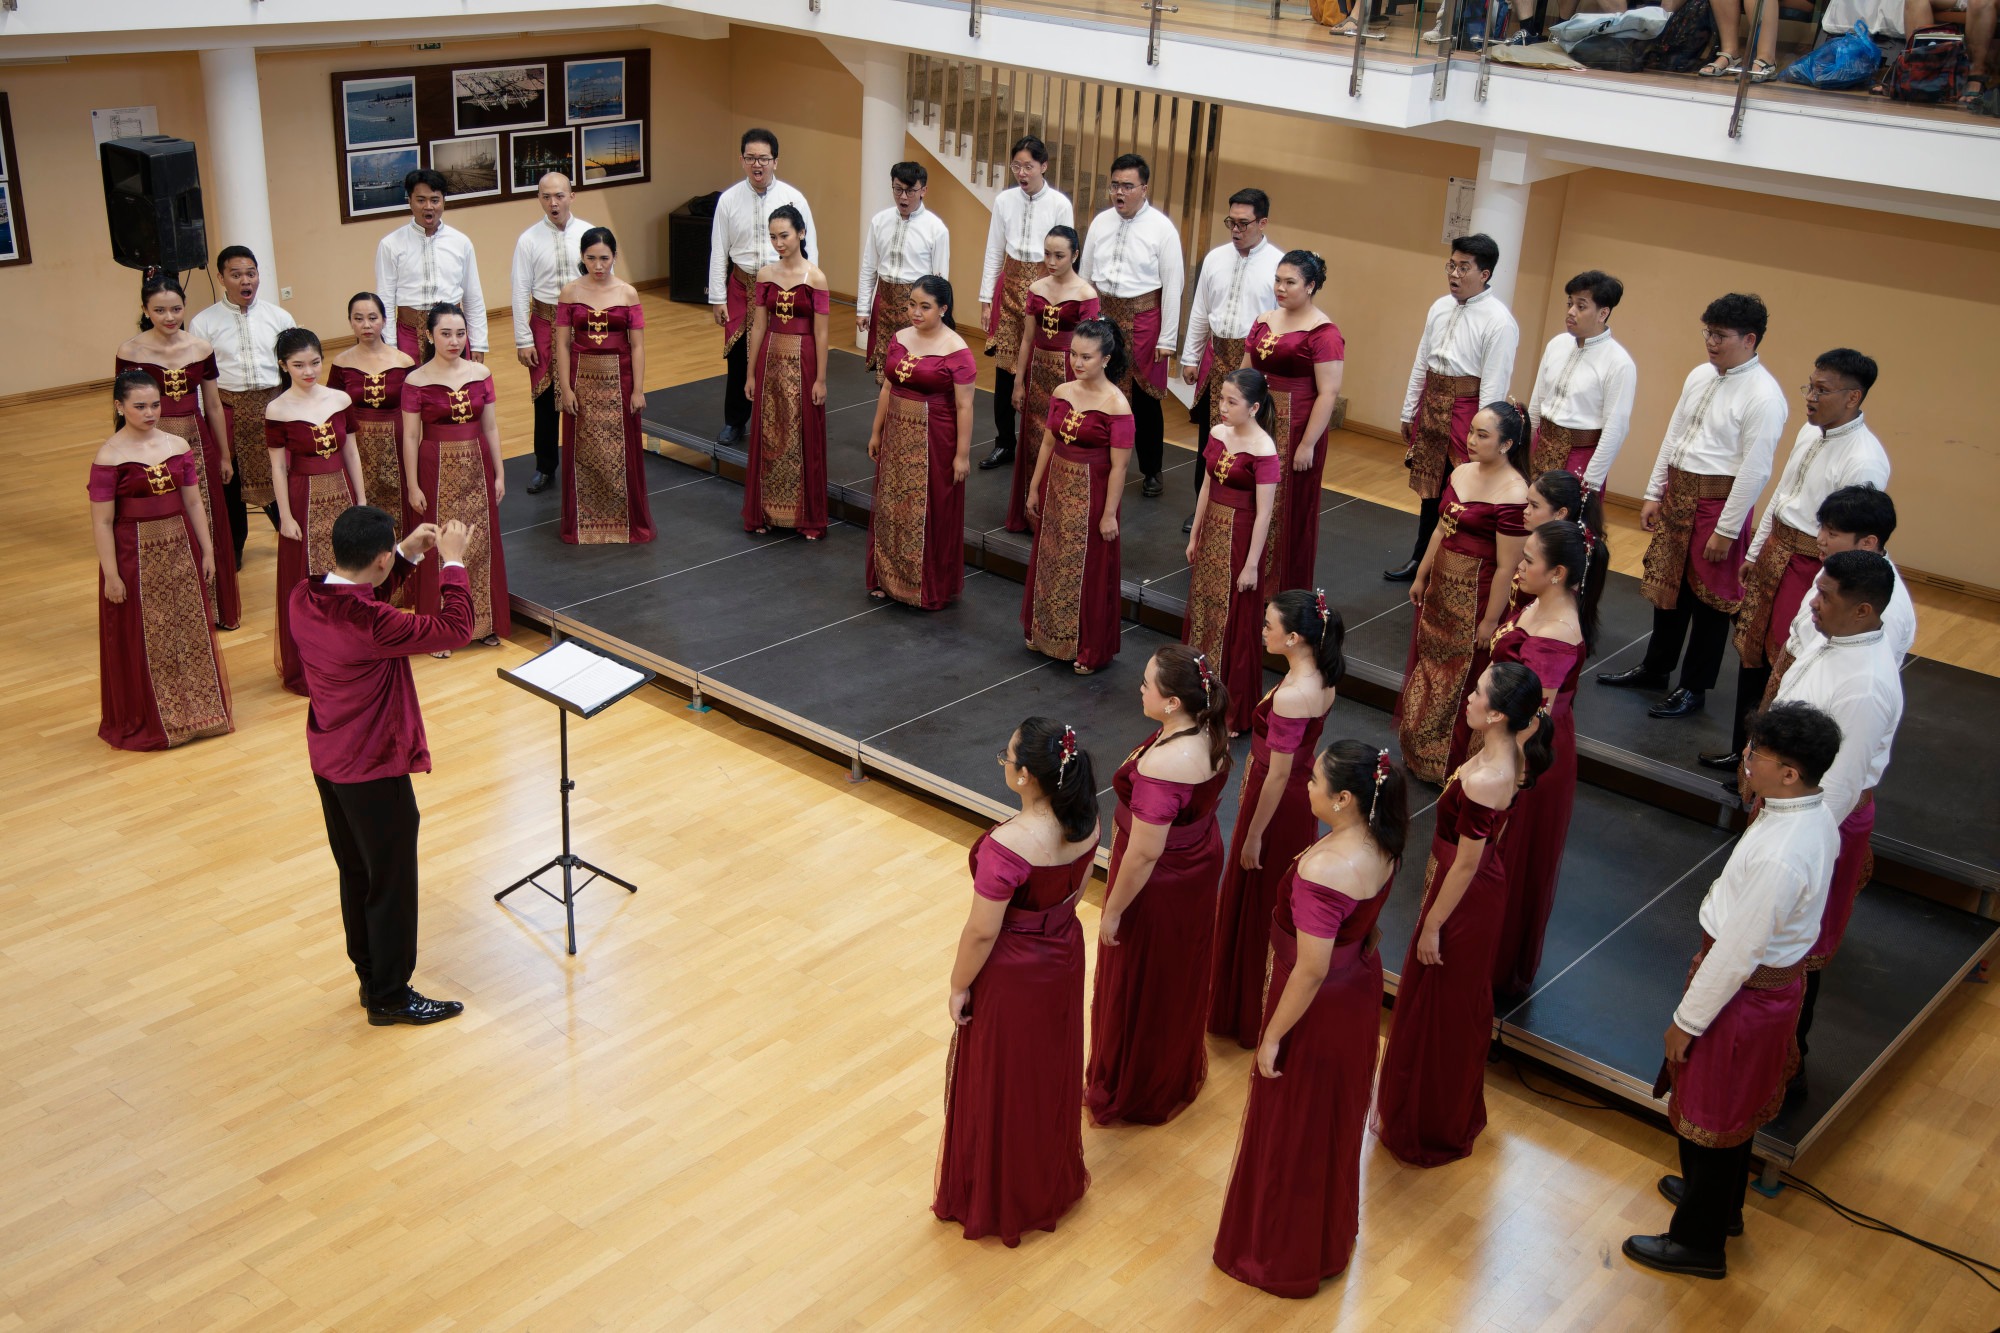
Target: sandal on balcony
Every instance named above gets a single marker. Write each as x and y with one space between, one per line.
1975 88
1762 71
1722 66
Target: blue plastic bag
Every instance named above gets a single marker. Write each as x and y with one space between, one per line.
1848 61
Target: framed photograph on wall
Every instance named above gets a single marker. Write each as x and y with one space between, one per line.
536 153
612 153
9 246
594 90
502 97
13 223
377 112
471 167
375 180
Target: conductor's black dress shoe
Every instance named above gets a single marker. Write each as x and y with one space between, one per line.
539 483
1401 574
1635 678
417 1010
1670 1256
1683 702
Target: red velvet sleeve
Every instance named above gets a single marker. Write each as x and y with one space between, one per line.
1088 309
1122 432
1512 520
1156 801
274 434
963 369
996 872
412 398
566 314
1058 413
1267 469
1549 659
1478 821
491 393
1327 344
822 301
103 483
208 370
1211 454
762 295
635 317
1285 734
181 468
1317 910
1031 313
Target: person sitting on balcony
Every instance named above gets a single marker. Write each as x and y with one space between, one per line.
1975 17
1728 15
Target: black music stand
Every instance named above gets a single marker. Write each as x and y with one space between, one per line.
585 681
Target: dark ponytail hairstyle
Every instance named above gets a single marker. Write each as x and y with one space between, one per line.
439 311
1052 755
152 285
122 388
931 285
1515 692
790 213
602 236
1109 341
1304 612
1581 555
380 308
1512 425
290 343
1187 676
1360 768
1564 490
1256 391
1075 245
1310 266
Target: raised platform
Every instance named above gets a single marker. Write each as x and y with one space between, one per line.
783 630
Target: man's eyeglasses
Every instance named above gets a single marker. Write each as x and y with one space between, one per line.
1460 270
1718 335
759 159
1240 224
1124 187
1814 392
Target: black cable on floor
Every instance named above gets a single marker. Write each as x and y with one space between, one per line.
1861 1219
1522 1075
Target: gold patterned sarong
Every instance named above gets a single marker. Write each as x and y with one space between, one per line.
1760 588
1212 581
781 428
1429 456
1062 549
1225 358
245 417
1010 304
189 429
740 291
418 322
189 688
1554 444
1672 546
603 513
544 339
381 467
1288 482
1447 641
902 500
886 318
461 494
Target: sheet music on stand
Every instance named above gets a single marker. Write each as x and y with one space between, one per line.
578 679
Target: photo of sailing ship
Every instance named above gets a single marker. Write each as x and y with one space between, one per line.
594 90
375 180
380 111
537 153
613 152
505 97
471 167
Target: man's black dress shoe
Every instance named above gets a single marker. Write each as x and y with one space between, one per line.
1673 1187
1401 574
417 1011
1001 456
730 435
1634 678
271 512
1732 785
539 483
1683 702
1152 488
1670 1256
1728 763
1188 524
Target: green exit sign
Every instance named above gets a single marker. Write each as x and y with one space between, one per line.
427 46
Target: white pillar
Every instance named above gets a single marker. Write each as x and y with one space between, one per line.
884 126
1500 209
238 194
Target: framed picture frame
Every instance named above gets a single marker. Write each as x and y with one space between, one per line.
594 90
10 248
374 182
470 166
378 113
499 97
533 154
13 220
613 154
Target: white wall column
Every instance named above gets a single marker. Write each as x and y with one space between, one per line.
1500 209
238 195
884 126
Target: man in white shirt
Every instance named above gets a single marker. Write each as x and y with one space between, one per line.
739 243
1853 518
1237 283
904 242
1729 1046
1465 360
425 263
1132 255
547 258
1022 216
1712 464
1834 449
244 333
1581 406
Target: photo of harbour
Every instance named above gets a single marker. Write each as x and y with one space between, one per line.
594 90
380 111
537 153
506 97
611 152
470 167
375 180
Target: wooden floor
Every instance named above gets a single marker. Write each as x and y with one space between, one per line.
724 1112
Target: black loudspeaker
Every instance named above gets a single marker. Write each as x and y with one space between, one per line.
152 196
687 249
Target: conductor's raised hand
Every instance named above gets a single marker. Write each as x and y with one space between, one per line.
452 540
421 538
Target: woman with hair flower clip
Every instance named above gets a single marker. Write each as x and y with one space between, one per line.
1301 353
1227 580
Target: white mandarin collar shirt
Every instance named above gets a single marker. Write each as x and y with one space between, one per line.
1855 681
1764 909
1726 424
741 232
1587 386
1476 336
1020 223
245 342
545 261
1899 622
1127 257
418 270
900 249
1233 289
1822 462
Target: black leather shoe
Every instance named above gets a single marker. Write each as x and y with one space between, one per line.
1731 784
540 483
1636 678
1401 574
417 1011
730 435
1670 1256
1188 524
1152 488
1001 456
1673 1187
271 512
1728 763
1683 702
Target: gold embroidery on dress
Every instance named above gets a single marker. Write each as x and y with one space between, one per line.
324 443
905 367
596 325
159 480
1072 421
1051 321
1448 520
374 391
784 305
1268 343
460 403
174 383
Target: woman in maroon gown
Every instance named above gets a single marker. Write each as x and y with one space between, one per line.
315 475
1057 303
1302 356
183 366
451 469
784 485
1274 818
922 446
1460 591
1431 1101
1147 1055
600 372
161 681
1011 1159
1294 1203
1069 608
371 374
1241 470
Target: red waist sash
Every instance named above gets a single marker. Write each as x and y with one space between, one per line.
1285 945
136 508
1020 921
312 465
451 430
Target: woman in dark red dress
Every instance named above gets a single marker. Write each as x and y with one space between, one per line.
161 681
1460 590
784 485
1057 303
1147 1055
1241 469
371 374
451 470
1069 609
599 347
1274 818
183 366
1011 1159
1431 1101
315 476
1302 356
1294 1203
922 446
